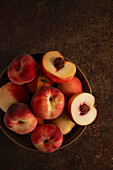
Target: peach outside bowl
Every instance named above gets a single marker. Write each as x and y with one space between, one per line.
25 140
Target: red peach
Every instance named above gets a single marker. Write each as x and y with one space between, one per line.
20 119
71 87
56 68
47 138
22 69
11 93
48 103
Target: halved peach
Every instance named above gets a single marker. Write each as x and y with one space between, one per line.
56 68
81 108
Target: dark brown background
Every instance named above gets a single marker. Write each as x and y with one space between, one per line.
82 31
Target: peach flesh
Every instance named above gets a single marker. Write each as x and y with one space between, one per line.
54 78
85 100
63 75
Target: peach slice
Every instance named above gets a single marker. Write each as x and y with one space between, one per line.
56 68
81 108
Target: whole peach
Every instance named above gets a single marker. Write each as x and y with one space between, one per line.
11 93
22 69
48 103
20 119
71 87
47 138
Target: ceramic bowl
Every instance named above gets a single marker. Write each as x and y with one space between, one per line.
25 140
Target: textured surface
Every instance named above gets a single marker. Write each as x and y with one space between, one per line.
82 31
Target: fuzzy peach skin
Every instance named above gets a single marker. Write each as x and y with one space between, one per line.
40 81
78 113
63 122
47 138
11 93
48 103
20 119
71 87
56 75
22 69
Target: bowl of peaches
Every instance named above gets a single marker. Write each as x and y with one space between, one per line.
46 101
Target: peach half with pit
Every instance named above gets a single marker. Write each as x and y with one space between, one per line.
81 108
56 68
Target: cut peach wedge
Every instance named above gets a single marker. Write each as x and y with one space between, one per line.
56 68
81 108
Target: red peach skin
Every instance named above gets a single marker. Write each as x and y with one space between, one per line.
47 138
71 87
22 69
11 93
40 81
20 119
48 103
